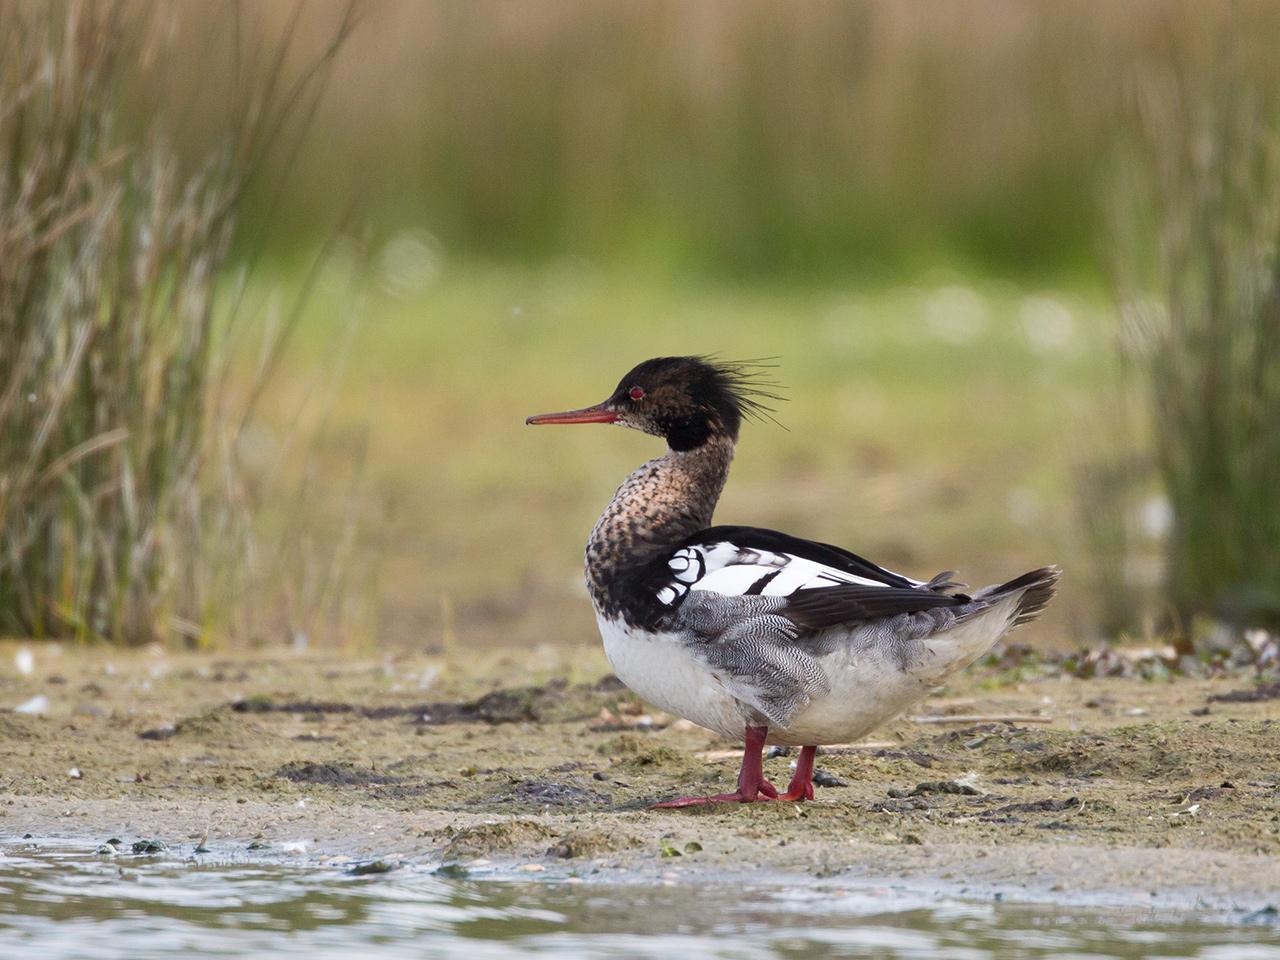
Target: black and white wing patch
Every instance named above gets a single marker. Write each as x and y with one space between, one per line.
824 585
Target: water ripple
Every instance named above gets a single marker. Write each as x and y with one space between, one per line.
61 901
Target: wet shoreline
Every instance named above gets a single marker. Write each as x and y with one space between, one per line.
1212 886
229 903
1102 792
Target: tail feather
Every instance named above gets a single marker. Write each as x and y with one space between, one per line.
1037 588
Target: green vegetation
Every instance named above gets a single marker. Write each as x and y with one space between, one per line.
124 513
743 140
928 426
1205 180
194 443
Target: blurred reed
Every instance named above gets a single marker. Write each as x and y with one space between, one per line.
737 137
1107 489
733 137
125 513
1201 175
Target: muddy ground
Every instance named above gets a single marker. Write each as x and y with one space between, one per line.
1167 790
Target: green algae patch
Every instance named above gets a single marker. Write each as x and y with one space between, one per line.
640 750
500 838
589 844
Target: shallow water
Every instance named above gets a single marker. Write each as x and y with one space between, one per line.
60 900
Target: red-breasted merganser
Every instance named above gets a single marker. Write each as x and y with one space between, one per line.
749 632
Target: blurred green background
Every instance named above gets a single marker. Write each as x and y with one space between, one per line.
753 141
480 211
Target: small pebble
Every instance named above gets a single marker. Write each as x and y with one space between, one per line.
37 705
1267 915
370 867
824 779
159 733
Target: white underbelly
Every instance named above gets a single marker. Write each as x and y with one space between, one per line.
867 689
868 685
659 668
872 685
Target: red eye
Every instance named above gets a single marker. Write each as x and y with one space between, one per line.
636 393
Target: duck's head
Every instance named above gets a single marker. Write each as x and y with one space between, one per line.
686 400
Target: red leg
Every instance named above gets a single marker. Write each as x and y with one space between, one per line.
801 787
752 785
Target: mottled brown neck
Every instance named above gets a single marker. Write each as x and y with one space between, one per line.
659 505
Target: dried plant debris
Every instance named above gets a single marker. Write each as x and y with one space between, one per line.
918 757
547 792
1222 652
333 774
1265 692
936 786
1036 806
533 704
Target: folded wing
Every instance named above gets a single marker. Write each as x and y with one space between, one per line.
823 585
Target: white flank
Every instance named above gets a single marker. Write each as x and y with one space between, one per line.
662 670
869 682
